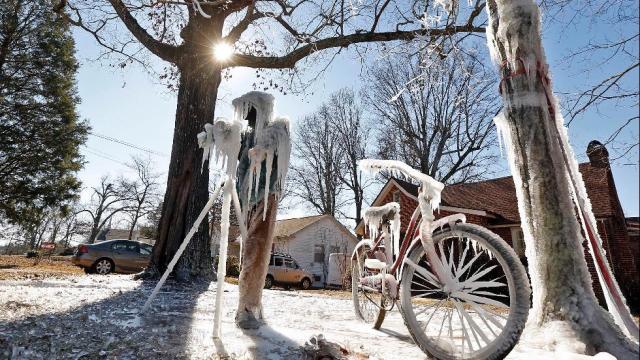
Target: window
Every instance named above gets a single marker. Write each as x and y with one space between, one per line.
145 250
517 238
318 254
289 263
271 261
396 196
278 261
125 246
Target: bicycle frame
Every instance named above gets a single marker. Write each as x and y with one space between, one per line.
421 220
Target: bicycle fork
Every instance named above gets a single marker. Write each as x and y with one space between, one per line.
442 274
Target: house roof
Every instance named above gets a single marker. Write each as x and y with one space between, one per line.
113 234
288 227
498 196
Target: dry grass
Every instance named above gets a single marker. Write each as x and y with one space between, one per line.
19 267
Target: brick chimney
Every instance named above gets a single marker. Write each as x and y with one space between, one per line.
598 154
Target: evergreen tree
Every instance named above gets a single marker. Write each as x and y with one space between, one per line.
40 133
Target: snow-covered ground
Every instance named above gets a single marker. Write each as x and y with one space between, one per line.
87 317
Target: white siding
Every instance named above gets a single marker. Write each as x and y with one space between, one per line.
323 232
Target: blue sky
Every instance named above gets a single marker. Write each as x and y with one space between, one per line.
132 106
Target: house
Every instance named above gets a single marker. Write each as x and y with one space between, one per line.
120 234
493 204
310 240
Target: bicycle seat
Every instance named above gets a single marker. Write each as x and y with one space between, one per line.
374 264
386 212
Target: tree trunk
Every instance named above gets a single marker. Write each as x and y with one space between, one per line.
134 221
565 310
187 182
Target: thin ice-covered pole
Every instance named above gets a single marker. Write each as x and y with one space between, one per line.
241 220
228 191
183 246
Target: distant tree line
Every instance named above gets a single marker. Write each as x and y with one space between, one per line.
432 113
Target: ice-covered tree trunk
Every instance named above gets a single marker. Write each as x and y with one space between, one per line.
565 314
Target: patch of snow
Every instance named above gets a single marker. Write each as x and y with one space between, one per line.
180 325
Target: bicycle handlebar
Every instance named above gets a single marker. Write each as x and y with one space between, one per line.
430 185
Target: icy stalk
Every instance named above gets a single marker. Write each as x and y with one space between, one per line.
229 188
544 173
182 247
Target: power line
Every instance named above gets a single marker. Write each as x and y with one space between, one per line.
105 157
122 142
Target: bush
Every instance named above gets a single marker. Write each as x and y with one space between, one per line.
32 254
233 265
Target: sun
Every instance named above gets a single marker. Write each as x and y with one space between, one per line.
222 51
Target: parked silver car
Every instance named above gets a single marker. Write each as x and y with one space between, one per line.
122 256
285 271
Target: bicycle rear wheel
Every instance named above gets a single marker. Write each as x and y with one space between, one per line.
367 303
484 312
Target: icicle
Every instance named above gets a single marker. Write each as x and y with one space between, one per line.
267 180
377 215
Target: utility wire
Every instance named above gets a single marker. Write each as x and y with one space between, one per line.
105 157
122 142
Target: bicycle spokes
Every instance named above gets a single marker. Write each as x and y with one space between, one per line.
467 312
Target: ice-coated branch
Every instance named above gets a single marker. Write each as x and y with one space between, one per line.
289 60
222 138
164 51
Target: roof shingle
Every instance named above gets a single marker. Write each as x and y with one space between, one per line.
498 196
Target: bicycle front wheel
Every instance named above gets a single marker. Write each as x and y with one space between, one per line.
480 315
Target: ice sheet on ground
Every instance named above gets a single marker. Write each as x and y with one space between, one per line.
60 318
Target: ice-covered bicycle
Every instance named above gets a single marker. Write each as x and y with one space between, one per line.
461 289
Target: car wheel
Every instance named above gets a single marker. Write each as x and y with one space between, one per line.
268 282
103 266
305 284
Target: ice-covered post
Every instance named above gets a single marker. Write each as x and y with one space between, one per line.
544 171
264 159
224 136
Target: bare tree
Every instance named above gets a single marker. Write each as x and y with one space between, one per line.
435 114
185 33
609 62
316 169
70 227
141 191
106 201
346 116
